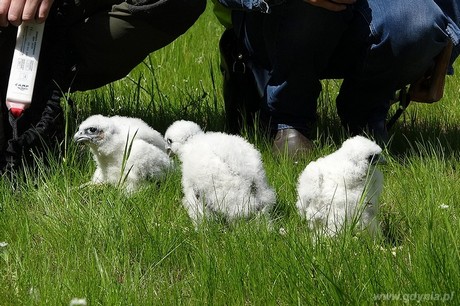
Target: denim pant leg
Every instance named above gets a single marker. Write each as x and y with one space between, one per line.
292 46
402 41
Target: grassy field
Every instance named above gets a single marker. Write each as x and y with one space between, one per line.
59 242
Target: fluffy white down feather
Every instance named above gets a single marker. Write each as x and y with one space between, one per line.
222 174
341 188
109 139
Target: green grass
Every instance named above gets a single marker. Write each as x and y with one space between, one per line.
95 243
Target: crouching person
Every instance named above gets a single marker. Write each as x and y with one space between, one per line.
375 47
86 44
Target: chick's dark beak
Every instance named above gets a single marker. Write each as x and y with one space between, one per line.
169 151
377 159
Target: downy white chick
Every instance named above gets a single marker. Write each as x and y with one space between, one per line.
126 150
222 174
342 188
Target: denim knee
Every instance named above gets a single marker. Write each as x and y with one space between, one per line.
407 38
411 34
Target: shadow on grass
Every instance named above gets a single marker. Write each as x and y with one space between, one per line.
407 138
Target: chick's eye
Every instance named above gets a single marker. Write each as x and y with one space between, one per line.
169 141
92 130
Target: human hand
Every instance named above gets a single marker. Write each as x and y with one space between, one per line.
331 5
17 11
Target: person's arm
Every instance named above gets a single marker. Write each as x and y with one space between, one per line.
17 11
331 5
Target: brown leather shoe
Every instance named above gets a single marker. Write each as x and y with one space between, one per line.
291 142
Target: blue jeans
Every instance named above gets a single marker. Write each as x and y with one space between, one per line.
375 46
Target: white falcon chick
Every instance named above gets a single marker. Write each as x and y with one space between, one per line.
222 174
342 188
111 139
